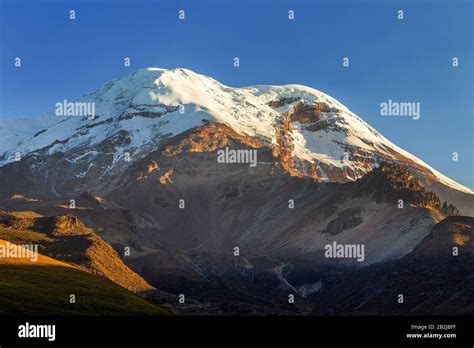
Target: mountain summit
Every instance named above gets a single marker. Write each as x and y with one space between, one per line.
313 134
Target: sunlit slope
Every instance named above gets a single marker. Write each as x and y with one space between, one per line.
66 238
45 286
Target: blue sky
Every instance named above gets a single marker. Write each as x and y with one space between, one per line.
407 60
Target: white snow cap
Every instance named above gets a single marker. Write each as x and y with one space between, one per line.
245 109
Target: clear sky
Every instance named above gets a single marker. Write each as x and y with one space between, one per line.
402 60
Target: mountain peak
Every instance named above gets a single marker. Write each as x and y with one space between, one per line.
314 134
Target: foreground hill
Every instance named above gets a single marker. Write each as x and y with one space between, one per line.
44 287
64 237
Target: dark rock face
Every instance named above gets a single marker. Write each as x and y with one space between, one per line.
433 278
344 220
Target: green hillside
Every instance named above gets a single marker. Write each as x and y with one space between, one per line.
44 288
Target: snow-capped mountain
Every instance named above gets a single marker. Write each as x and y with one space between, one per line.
152 145
312 133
